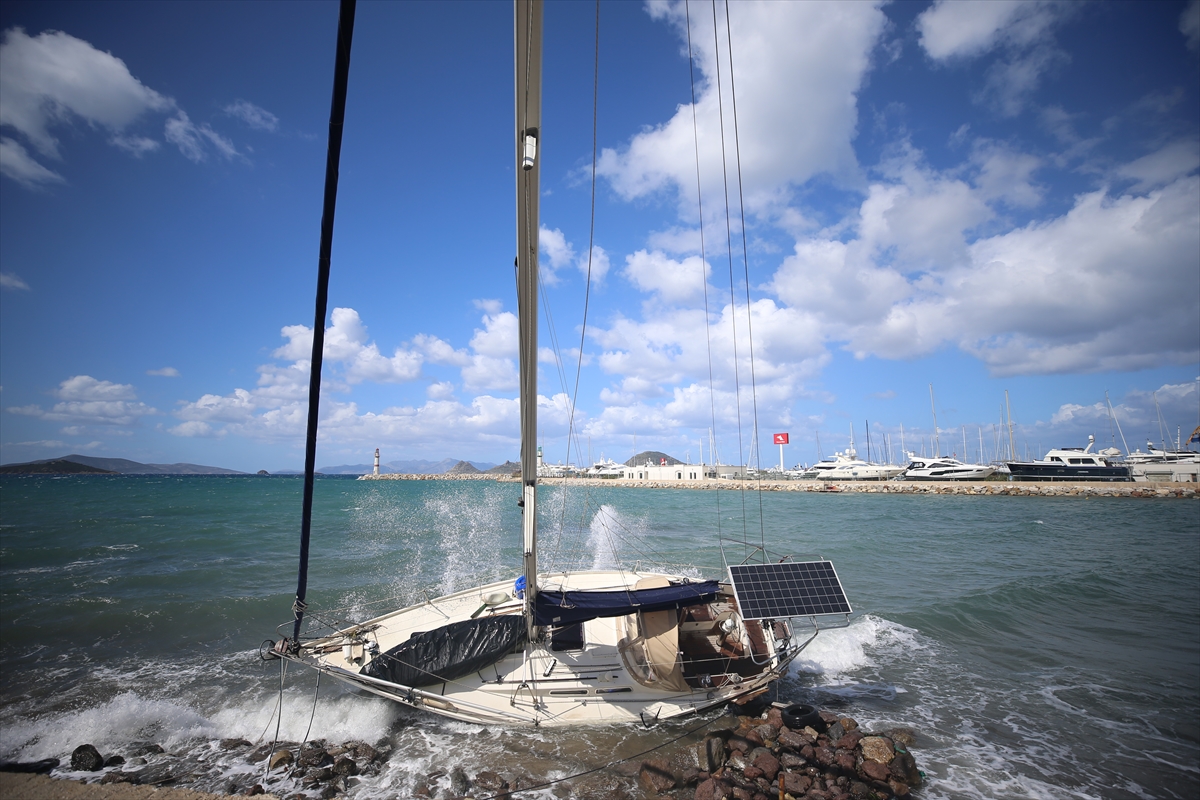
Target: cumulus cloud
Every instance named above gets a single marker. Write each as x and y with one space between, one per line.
673 281
560 253
16 163
813 54
54 80
10 280
194 140
1110 285
84 400
1189 25
257 118
1021 29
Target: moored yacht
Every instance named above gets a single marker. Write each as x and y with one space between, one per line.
943 468
1070 464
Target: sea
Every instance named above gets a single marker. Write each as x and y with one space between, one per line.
1039 647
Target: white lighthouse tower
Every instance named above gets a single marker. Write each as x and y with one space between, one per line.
376 472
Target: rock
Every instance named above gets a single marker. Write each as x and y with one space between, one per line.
873 770
149 749
899 788
848 724
828 717
737 760
850 740
844 760
345 766
859 790
775 717
904 736
877 748
791 760
311 757
825 756
792 740
459 783
281 758
739 743
796 784
754 738
116 776
113 761
835 732
712 753
43 767
234 744
86 758
364 752
767 732
713 789
769 765
256 789
752 772
690 776
491 783
904 768
656 776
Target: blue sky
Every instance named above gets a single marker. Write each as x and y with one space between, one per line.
977 196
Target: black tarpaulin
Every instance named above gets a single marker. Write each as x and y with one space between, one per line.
449 652
564 608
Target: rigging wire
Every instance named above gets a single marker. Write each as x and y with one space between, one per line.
737 148
712 403
737 384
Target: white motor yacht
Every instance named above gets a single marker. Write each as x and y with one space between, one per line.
943 468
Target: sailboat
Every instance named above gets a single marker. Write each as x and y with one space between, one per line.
572 648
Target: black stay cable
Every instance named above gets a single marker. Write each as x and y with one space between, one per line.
337 115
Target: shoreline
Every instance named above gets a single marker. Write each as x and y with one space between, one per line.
30 786
1132 489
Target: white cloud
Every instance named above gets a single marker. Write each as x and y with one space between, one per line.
1189 25
193 140
794 63
346 345
17 164
673 281
165 372
558 251
257 118
193 428
85 400
1163 166
1021 28
52 78
10 280
1110 285
135 145
441 390
958 29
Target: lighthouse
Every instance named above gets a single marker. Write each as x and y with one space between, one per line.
376 472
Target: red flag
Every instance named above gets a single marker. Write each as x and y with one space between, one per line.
781 438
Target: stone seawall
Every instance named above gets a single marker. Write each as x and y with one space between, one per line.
1007 488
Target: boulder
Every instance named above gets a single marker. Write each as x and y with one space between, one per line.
345 766
873 770
769 765
850 740
234 744
712 753
877 748
835 732
792 740
904 736
796 784
713 789
904 768
656 776
848 724
459 783
86 758
113 761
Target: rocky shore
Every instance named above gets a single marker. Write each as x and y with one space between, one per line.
790 753
1004 488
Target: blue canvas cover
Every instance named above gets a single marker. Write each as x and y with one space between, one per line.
565 608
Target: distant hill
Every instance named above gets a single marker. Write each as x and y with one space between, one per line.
464 468
57 466
655 458
507 468
126 467
416 467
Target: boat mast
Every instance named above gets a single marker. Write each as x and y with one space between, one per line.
528 82
937 442
1113 416
1012 448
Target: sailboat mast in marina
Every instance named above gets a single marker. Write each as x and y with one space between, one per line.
566 647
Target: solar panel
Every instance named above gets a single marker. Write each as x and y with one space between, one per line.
789 589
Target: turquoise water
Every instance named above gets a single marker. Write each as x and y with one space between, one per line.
1040 647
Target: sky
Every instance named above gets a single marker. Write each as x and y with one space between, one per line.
828 212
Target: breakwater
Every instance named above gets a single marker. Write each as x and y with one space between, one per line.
1005 488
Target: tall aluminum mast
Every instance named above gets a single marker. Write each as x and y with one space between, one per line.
528 74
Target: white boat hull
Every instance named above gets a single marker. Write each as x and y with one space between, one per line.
593 684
